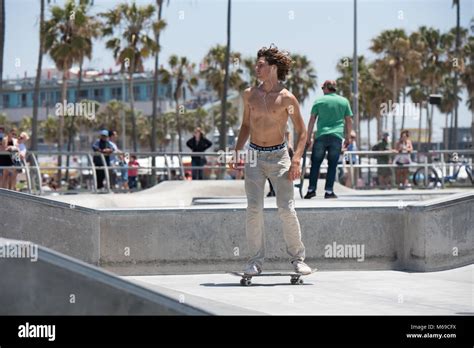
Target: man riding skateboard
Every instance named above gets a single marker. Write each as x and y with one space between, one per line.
266 111
334 121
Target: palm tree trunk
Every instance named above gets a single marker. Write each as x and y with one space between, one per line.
72 119
395 97
404 100
61 122
159 3
379 126
34 125
418 145
446 131
451 134
178 126
132 108
368 133
430 125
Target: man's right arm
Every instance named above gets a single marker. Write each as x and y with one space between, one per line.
244 131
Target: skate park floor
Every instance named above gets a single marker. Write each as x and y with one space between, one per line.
448 292
231 194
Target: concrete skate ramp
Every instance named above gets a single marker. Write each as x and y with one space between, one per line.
429 235
56 284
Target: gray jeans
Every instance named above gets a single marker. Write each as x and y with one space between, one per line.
275 166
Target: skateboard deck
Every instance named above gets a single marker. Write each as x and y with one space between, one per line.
303 172
295 278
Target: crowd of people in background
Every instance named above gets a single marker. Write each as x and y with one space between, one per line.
12 156
123 170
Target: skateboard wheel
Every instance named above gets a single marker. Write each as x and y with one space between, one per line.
299 281
247 282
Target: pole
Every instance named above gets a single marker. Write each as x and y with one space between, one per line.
123 112
355 70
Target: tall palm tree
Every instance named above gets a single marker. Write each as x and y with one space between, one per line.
34 128
88 28
455 60
181 73
214 73
129 27
433 67
64 44
302 78
467 77
49 128
396 58
159 4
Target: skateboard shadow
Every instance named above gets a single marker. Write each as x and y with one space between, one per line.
223 285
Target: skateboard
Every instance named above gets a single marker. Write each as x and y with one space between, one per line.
295 278
303 171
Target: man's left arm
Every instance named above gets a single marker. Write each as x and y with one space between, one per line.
300 129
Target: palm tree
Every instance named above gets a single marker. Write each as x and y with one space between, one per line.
49 128
34 128
159 4
109 116
182 74
467 77
214 73
132 44
64 44
214 64
433 67
397 60
302 78
454 66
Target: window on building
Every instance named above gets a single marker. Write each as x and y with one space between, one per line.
117 93
6 100
99 95
84 94
23 100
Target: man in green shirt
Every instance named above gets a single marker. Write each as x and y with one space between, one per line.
334 123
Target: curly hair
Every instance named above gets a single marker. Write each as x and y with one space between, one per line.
277 57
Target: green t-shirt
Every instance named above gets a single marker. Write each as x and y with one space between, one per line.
331 110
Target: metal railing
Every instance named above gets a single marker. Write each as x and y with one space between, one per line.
39 163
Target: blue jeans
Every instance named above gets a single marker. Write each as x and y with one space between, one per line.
331 145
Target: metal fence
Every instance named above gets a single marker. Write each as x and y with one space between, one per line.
78 172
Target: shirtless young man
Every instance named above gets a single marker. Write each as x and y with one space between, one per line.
266 111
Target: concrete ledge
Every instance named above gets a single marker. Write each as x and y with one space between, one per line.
66 228
432 235
59 285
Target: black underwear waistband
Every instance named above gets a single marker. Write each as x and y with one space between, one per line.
267 148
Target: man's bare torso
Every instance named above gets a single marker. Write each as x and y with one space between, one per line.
268 116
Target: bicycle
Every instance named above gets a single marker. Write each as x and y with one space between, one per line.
435 177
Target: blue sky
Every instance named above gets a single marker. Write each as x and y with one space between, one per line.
322 30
